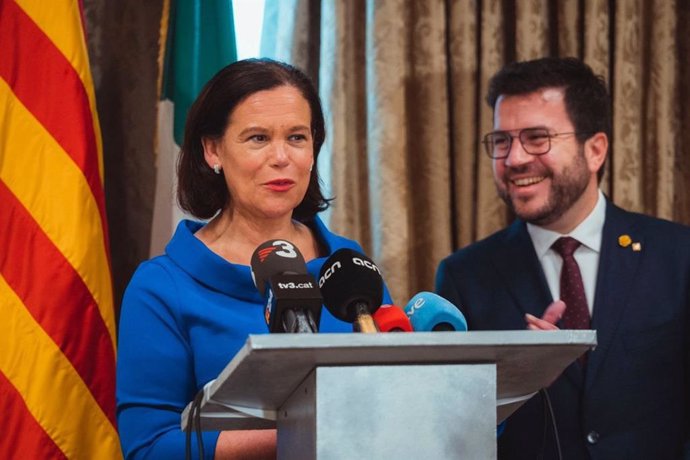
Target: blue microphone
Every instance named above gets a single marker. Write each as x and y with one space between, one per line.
430 312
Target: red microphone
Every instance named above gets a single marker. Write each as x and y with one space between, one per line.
391 318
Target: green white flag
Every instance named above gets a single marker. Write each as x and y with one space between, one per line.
197 39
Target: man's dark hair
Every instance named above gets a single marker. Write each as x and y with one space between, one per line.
200 191
587 100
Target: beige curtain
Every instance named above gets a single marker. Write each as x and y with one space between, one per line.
403 85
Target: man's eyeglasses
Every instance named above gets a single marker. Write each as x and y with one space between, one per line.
535 141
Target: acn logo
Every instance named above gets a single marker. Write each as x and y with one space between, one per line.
365 263
329 271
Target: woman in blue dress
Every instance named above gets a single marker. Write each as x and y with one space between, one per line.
247 167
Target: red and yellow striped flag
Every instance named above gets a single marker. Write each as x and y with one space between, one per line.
57 324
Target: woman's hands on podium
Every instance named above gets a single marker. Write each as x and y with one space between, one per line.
246 445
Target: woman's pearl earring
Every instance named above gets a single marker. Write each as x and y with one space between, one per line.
216 168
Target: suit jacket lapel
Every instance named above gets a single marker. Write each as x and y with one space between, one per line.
519 267
618 266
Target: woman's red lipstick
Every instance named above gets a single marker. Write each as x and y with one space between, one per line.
280 185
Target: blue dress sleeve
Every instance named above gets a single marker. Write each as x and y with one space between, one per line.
155 371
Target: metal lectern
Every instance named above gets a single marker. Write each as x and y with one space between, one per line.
428 395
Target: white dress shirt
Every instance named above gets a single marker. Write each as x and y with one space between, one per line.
588 233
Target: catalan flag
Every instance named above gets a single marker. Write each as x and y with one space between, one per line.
57 324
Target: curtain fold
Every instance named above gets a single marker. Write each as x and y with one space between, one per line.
342 54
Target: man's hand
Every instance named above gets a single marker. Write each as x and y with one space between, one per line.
548 321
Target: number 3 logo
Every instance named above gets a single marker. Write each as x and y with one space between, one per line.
288 250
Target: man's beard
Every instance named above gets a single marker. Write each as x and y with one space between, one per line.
565 190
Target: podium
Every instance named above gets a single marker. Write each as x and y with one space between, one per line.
385 396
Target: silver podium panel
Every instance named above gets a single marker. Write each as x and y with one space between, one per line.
268 369
434 411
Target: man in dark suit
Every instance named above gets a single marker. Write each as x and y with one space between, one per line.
629 276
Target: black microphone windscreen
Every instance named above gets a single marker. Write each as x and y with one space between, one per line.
275 257
347 279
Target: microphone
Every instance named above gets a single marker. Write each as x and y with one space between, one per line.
293 301
352 288
391 318
430 312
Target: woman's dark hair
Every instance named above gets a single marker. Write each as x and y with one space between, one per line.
200 191
587 99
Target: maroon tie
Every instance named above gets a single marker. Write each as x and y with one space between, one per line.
576 314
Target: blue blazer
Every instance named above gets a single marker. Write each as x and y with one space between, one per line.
633 399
